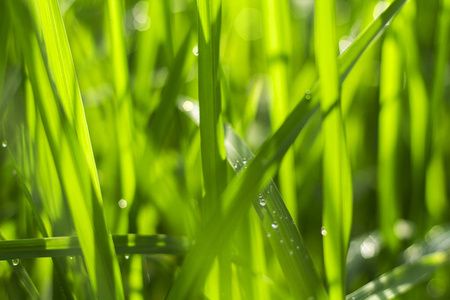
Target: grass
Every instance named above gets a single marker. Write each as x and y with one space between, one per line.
304 170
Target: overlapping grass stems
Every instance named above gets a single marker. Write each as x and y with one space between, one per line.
144 206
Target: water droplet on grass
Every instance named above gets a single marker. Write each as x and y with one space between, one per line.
323 231
127 256
195 50
123 203
275 224
308 95
15 261
4 143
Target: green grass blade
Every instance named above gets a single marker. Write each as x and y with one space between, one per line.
70 246
398 281
211 131
337 178
277 48
389 132
122 104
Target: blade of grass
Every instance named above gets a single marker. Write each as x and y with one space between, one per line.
211 132
337 178
122 104
389 136
277 47
70 246
237 196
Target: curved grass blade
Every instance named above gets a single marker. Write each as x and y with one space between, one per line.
70 246
237 196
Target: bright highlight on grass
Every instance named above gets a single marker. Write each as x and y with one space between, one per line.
224 149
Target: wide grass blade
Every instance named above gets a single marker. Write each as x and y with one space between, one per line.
211 132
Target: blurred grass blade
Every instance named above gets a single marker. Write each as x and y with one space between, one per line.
163 115
435 189
70 246
398 281
337 178
122 104
389 136
278 52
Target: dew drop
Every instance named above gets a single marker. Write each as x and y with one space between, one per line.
269 235
323 231
274 212
275 225
291 252
71 257
244 161
308 95
298 247
127 256
4 143
195 50
15 261
123 203
262 202
281 241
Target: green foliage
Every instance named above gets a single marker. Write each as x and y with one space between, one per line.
302 172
